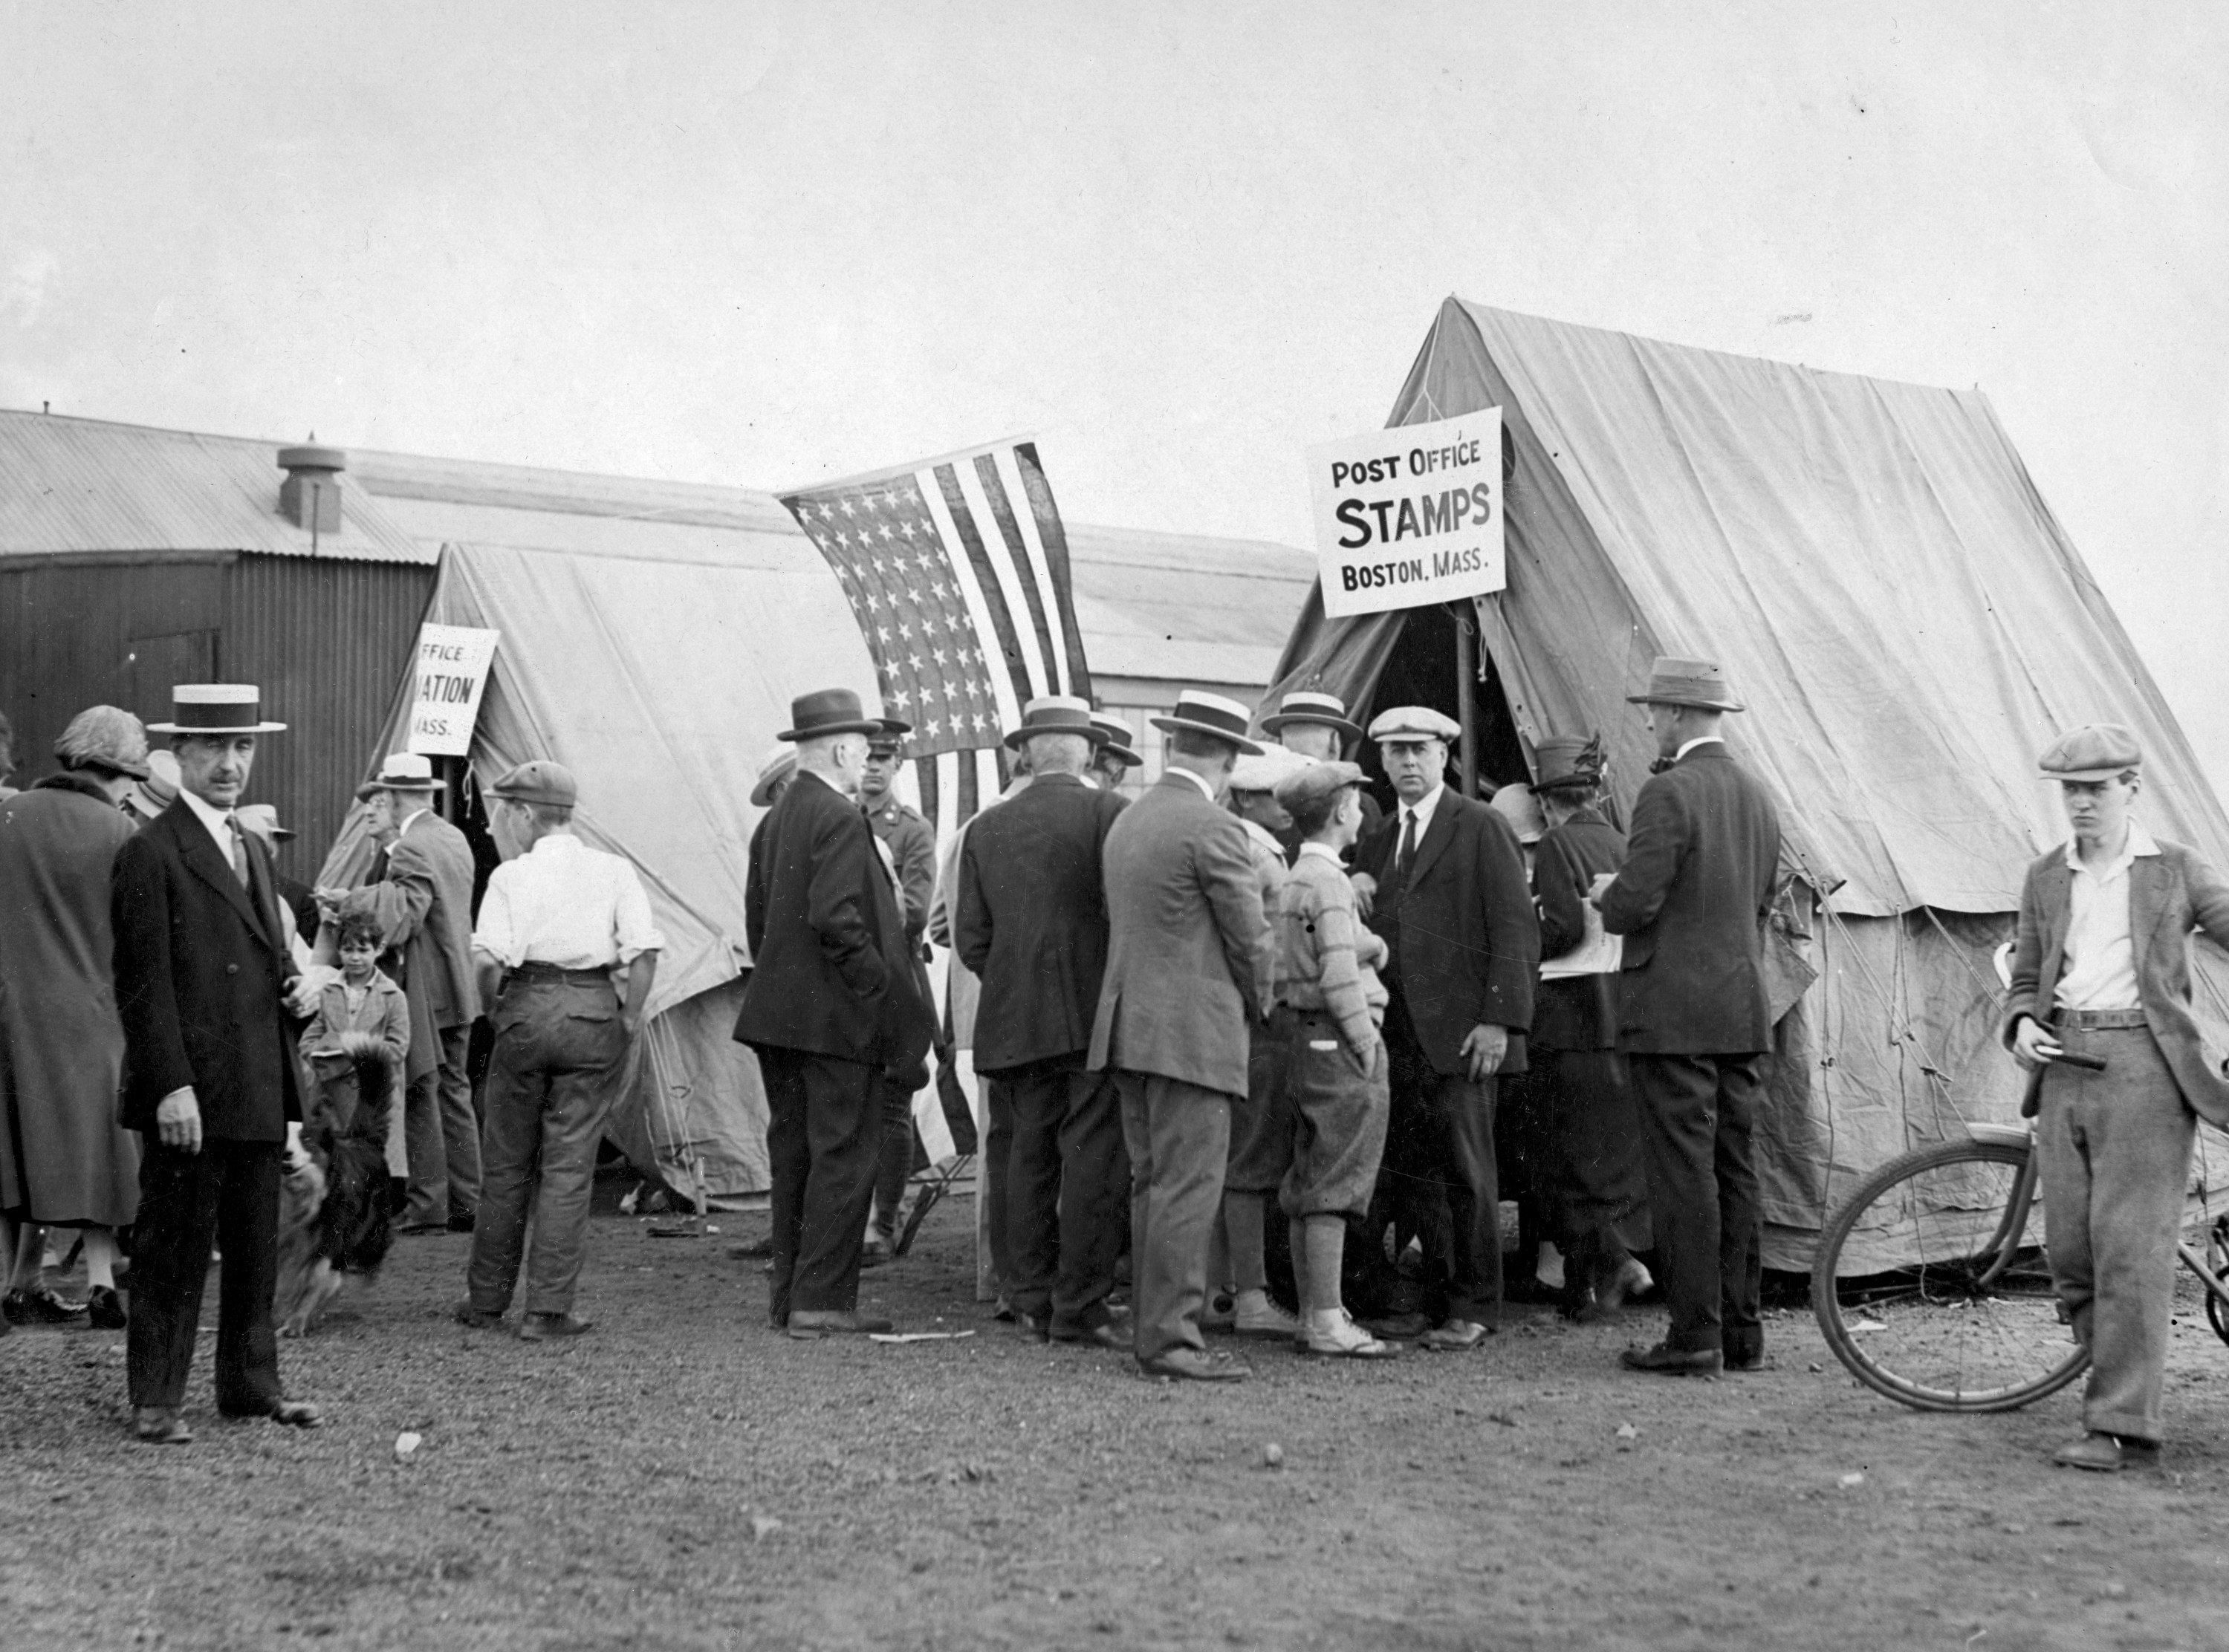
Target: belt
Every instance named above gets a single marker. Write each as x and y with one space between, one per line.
553 972
2099 1020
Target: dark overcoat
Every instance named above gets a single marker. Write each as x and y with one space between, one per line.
1573 1012
422 901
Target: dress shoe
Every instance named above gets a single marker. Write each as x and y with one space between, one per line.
876 1252
462 1221
1744 1359
1336 1336
810 1324
1456 1336
548 1328
1668 1361
1256 1315
39 1307
752 1250
1108 1334
293 1413
480 1319
161 1426
104 1309
1194 1365
1396 1328
2108 1453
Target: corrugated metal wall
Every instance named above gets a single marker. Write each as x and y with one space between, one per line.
327 641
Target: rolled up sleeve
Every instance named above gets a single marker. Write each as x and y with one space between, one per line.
497 931
632 926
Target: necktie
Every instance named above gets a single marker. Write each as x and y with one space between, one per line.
1402 861
239 852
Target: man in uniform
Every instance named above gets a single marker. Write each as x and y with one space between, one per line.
203 971
2100 968
422 901
912 843
1190 968
1693 1024
559 927
833 1003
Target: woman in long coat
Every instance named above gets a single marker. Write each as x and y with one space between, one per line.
65 1161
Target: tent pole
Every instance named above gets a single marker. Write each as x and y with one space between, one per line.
1466 675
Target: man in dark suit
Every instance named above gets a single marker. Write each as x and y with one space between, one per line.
1190 967
422 900
203 971
831 1005
1033 924
1449 896
1692 899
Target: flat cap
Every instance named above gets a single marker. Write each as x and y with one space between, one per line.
2093 752
1314 781
540 781
1414 723
1262 771
104 735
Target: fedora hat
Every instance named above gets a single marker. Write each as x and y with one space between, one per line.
401 772
1197 712
1700 683
833 711
1121 742
1312 706
1055 713
215 708
781 763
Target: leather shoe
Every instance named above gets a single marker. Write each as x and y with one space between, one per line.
1395 1328
1456 1336
1194 1365
810 1324
2107 1453
1108 1334
545 1327
1752 1361
752 1250
478 1318
39 1307
1668 1361
462 1221
161 1426
297 1414
103 1310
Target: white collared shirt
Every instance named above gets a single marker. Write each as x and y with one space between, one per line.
565 903
2099 970
1206 790
1424 811
219 822
1687 746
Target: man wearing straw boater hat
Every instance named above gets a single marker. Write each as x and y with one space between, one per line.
1031 924
2101 972
832 1005
1315 724
1190 967
420 896
560 924
203 974
1701 863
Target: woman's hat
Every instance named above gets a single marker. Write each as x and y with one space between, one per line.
1197 712
780 765
1516 804
401 772
106 737
1568 760
215 708
159 789
1700 683
831 711
1310 706
1121 739
1055 713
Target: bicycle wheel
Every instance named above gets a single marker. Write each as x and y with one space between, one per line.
1927 1297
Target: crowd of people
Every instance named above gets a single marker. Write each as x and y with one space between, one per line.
1245 1022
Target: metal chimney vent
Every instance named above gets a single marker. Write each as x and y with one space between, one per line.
311 496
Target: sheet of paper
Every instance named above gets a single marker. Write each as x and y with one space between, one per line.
1599 952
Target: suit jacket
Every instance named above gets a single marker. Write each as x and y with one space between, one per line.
832 973
1465 938
202 969
1573 1012
423 904
1189 957
2170 893
1032 920
1701 863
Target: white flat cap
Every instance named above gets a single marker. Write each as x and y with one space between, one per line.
1414 723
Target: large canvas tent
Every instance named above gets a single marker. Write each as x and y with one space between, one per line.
1909 626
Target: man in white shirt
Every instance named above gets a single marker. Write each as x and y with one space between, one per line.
2101 971
558 919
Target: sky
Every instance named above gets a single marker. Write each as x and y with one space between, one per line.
769 244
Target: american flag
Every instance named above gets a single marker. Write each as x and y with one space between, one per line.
957 570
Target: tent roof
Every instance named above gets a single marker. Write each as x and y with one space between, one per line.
1906 621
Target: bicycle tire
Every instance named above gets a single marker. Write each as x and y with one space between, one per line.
1930 1331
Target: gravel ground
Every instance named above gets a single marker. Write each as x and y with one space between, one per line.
686 1478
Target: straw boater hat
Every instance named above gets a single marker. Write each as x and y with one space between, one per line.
401 772
107 738
1700 683
831 711
2093 752
1055 713
550 785
215 708
1407 724
1310 706
1121 741
780 765
1197 712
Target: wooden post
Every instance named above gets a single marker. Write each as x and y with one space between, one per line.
1466 701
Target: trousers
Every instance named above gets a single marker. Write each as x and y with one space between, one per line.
2114 1151
1068 1174
894 1157
1178 1137
1446 1182
229 1194
824 1129
558 1048
1698 1116
441 1138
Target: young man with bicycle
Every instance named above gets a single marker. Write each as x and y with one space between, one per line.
2101 975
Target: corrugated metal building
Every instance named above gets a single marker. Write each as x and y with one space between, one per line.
132 557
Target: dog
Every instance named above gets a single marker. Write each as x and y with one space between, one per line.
333 1219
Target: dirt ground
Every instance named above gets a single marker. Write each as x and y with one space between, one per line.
686 1478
